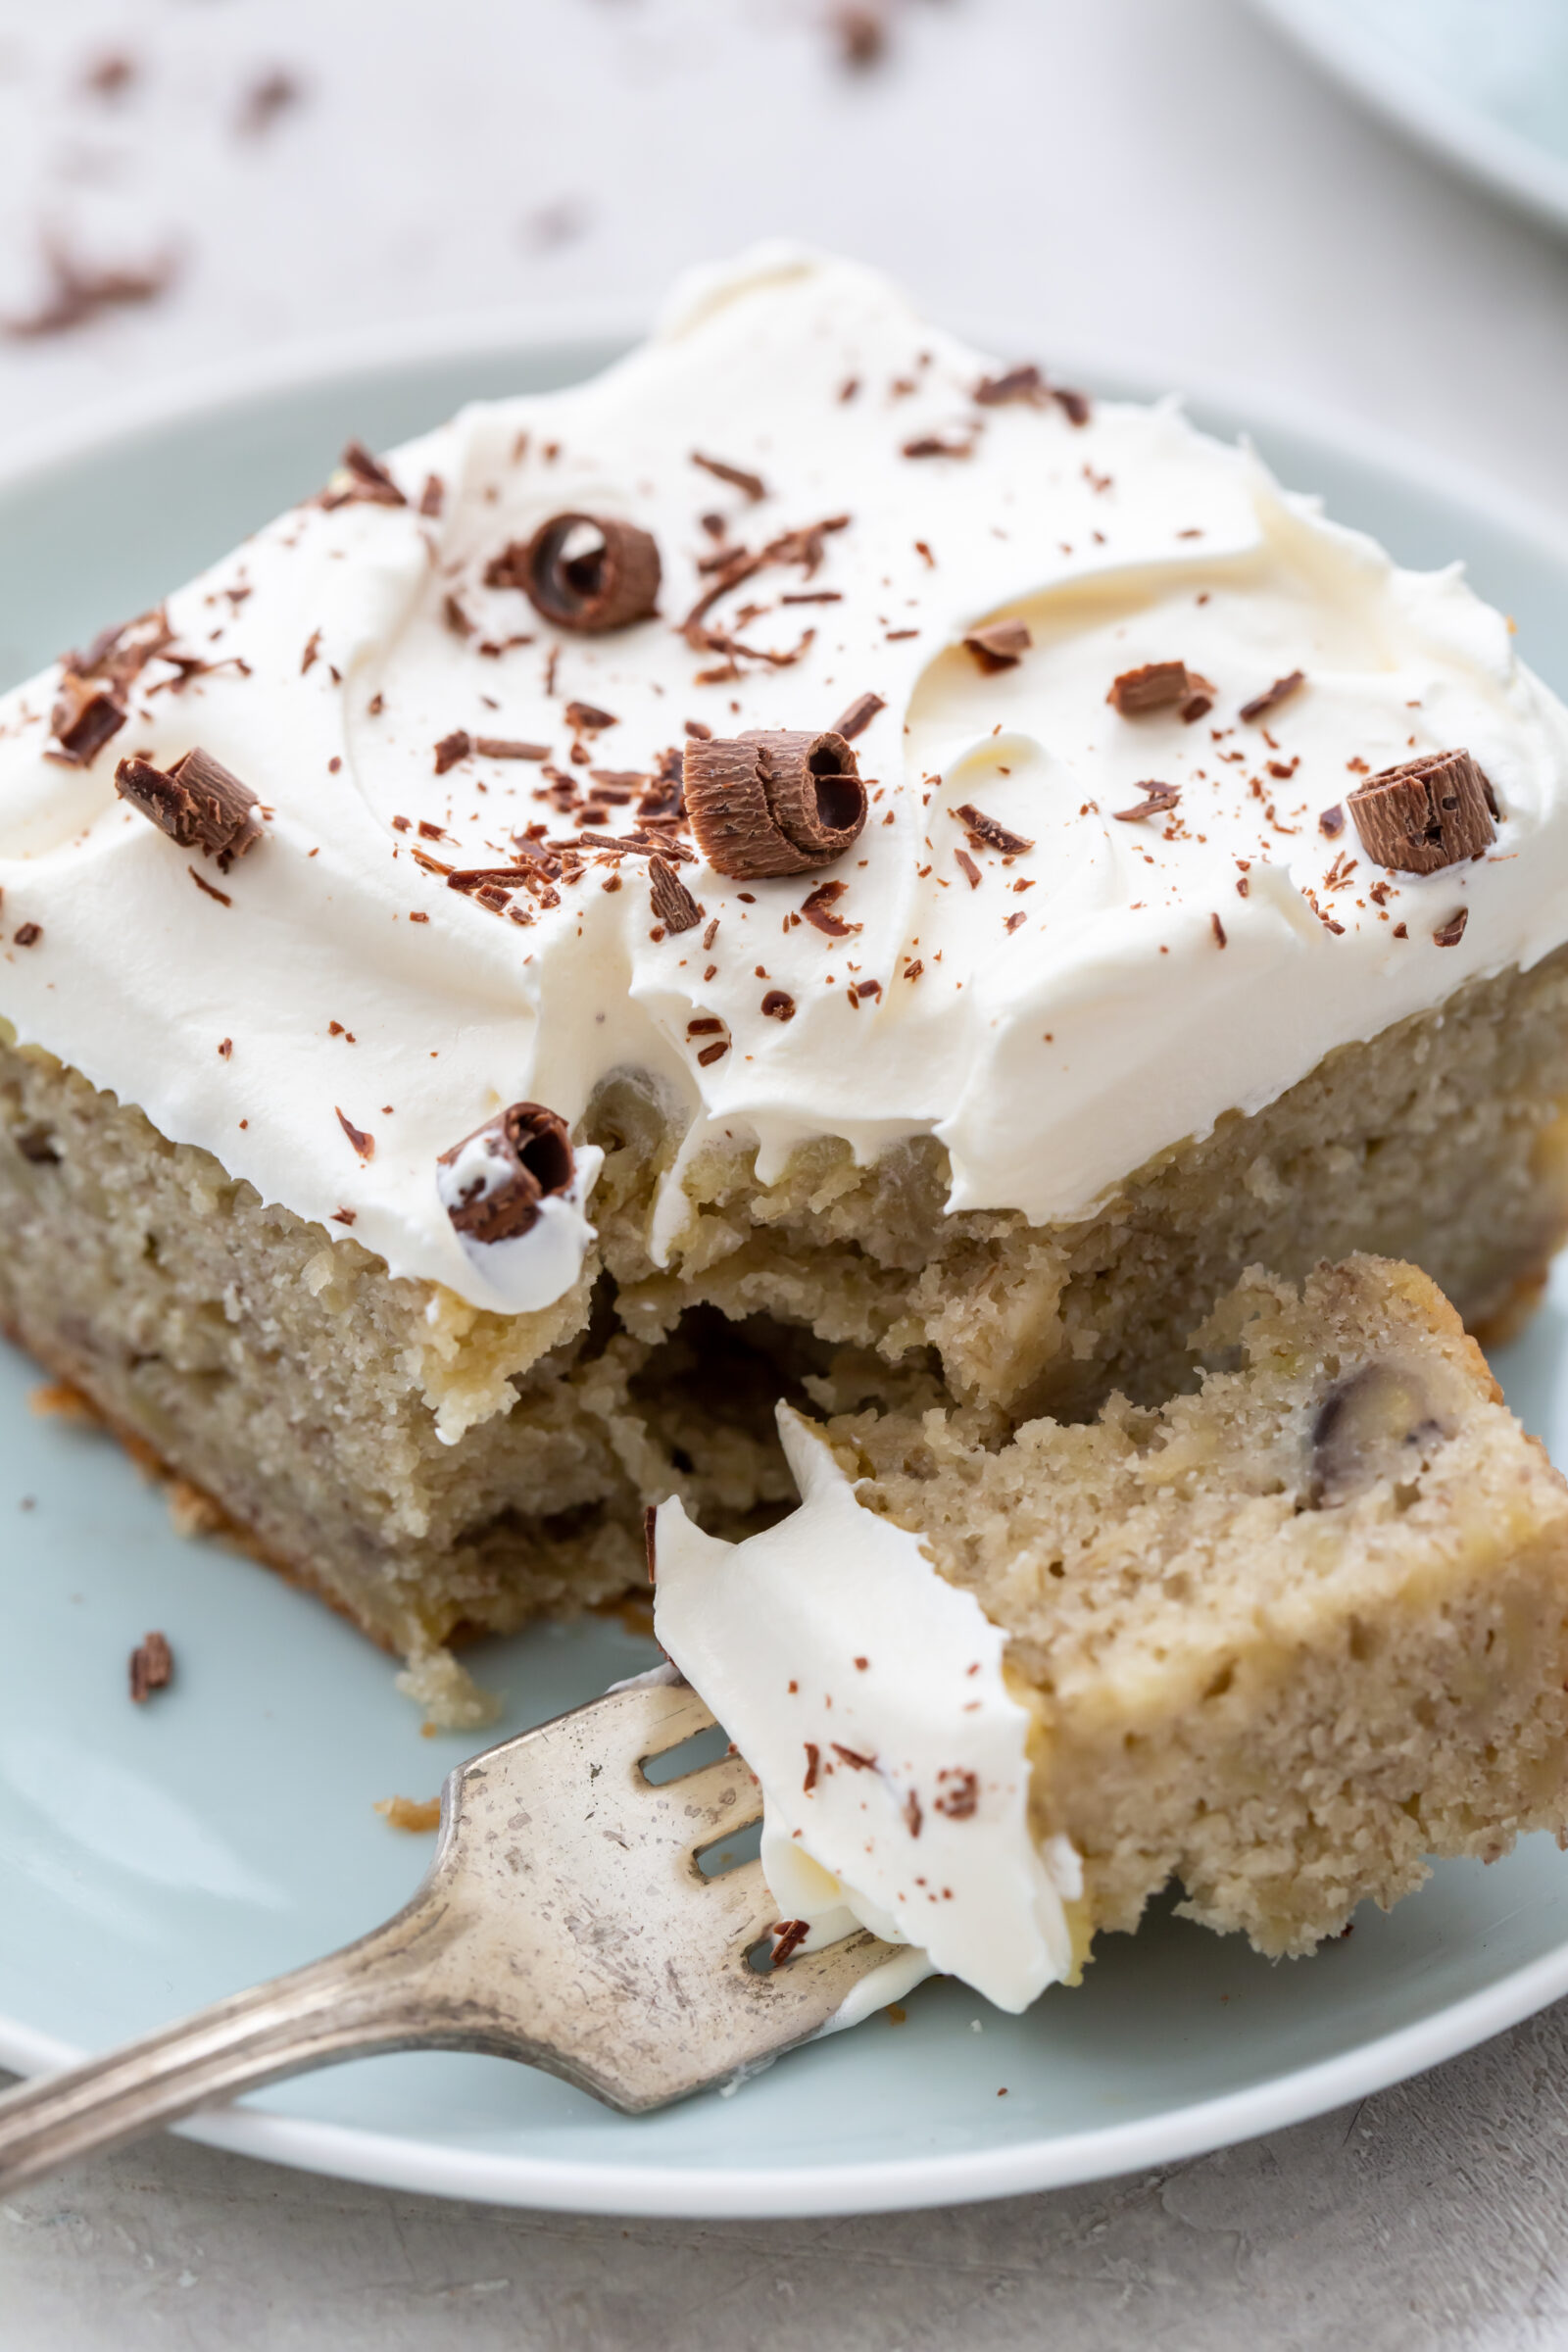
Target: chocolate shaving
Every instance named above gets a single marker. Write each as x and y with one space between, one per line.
367 482
197 803
587 572
733 565
817 910
651 1539
788 1936
584 718
985 833
1157 801
967 868
1450 934
530 1148
152 1667
960 1798
859 716
813 1758
450 748
28 935
642 845
1025 383
363 1143
1425 813
91 703
773 803
433 497
208 889
77 292
672 902
778 1004
1331 822
1153 686
1272 696
736 475
932 445
852 1757
1000 646
501 747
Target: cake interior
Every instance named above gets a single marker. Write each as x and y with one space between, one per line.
437 1471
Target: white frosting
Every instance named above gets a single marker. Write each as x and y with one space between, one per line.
1051 1057
867 1694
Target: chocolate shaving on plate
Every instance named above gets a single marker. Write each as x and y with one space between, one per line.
197 803
672 903
773 803
1272 696
152 1667
985 832
1001 645
527 1157
585 572
1425 813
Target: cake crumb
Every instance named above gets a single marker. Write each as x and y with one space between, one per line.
152 1667
410 1812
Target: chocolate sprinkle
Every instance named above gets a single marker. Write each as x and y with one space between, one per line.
450 748
501 747
533 1148
769 802
368 483
778 1004
197 803
606 584
1272 696
1000 646
1425 813
672 902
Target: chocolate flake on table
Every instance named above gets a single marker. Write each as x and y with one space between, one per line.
197 803
1154 687
450 748
1001 645
1450 934
587 572
1425 813
788 1935
91 705
736 475
817 910
1272 696
77 292
505 747
1158 799
782 802
985 833
672 903
532 1149
859 716
152 1667
361 481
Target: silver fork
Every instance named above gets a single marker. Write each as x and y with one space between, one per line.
564 1921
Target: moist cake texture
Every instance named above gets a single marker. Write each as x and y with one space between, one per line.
1280 1639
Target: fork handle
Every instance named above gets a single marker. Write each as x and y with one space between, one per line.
371 1996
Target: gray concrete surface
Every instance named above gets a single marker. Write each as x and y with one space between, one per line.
1159 174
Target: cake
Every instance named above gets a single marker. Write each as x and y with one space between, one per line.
816 867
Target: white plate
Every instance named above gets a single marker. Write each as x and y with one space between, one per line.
152 1858
1482 83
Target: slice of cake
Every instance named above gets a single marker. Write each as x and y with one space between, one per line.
814 855
1278 1640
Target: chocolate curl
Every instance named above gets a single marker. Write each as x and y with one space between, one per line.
606 584
1426 814
531 1150
197 803
86 713
773 802
1001 646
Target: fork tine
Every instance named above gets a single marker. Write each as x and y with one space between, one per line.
721 1797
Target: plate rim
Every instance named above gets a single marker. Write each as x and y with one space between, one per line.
865 2185
1503 161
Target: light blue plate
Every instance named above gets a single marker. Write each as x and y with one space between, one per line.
1482 83
153 1858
